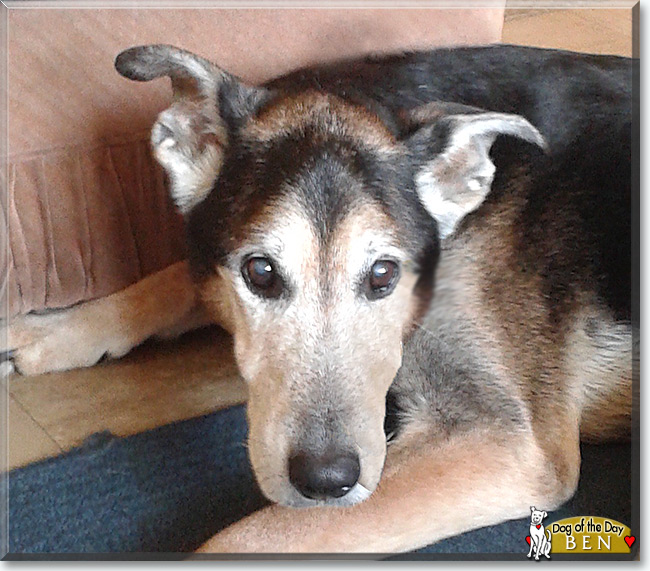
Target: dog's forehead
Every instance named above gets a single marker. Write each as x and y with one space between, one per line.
287 230
318 155
324 158
366 233
290 114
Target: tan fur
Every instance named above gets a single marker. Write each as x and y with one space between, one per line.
560 372
600 363
430 490
567 389
163 304
292 114
321 342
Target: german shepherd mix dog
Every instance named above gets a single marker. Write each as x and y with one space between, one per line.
425 262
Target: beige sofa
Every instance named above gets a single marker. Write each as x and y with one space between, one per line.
86 205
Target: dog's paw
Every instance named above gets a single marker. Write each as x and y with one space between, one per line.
161 304
61 340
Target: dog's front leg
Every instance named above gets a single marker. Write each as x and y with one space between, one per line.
532 546
163 304
427 493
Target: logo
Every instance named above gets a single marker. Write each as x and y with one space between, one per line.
539 538
581 534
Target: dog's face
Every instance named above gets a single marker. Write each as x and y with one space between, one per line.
315 265
313 232
537 516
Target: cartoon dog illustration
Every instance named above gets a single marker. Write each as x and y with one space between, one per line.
540 540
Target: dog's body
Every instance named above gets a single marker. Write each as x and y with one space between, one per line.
352 233
540 537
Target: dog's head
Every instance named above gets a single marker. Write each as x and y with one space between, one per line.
314 227
536 516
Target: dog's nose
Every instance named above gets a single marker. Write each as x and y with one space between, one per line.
324 476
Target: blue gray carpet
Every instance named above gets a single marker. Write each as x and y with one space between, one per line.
169 489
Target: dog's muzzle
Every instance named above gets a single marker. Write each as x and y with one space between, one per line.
325 476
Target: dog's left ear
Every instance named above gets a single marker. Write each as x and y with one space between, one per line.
452 144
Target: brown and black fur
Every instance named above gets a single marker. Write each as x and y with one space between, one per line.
519 339
510 336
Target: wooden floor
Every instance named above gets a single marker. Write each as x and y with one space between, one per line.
160 383
603 31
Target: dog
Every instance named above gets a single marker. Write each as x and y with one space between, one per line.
425 263
540 539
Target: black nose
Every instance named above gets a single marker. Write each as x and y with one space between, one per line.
319 477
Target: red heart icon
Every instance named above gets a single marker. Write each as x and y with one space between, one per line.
528 539
538 525
630 539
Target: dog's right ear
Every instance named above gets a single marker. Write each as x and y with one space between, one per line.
189 137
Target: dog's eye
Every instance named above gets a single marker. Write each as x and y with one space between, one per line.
261 277
381 279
